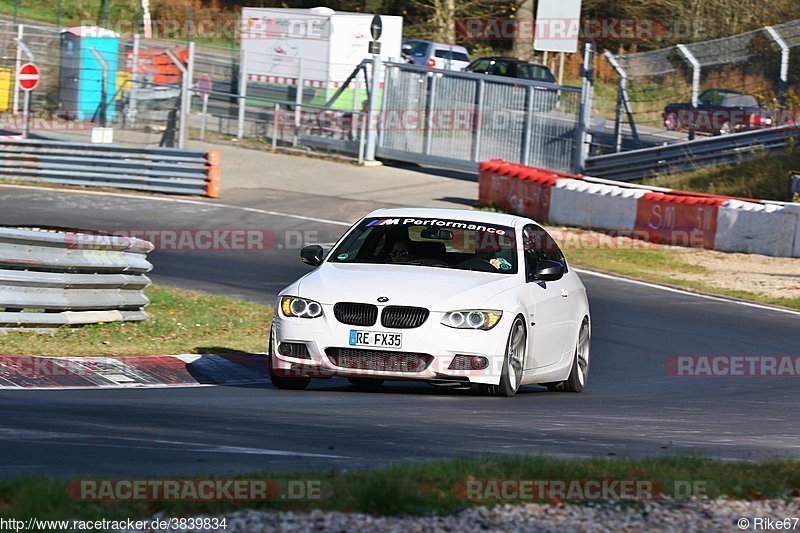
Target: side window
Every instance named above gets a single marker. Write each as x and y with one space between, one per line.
500 69
537 245
480 67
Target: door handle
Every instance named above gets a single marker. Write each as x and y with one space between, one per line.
564 293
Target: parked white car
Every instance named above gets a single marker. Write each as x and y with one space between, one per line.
436 55
449 296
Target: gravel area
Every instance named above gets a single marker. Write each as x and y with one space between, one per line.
696 515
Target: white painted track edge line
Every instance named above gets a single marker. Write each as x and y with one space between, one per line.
340 223
686 292
179 200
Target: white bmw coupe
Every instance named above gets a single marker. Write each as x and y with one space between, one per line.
448 296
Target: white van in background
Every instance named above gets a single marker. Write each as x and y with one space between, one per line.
436 55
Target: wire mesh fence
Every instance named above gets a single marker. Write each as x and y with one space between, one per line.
761 63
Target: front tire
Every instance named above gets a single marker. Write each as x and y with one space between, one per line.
580 365
283 382
513 362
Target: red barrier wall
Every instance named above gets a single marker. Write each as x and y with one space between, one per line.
517 188
678 220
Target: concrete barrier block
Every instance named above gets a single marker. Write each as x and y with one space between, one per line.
593 205
758 229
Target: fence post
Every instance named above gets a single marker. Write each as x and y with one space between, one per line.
783 80
187 110
298 100
372 110
477 122
695 85
17 64
131 111
526 126
583 135
242 93
623 102
430 102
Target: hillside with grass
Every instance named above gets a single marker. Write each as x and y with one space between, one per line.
765 177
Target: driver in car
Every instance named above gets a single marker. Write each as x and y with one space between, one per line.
401 252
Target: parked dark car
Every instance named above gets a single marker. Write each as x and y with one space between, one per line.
546 98
511 68
719 111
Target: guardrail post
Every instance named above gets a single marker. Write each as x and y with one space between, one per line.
695 84
583 137
242 94
783 80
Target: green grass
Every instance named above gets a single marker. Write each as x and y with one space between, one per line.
180 322
663 265
423 488
765 177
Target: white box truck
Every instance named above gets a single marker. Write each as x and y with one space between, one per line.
320 46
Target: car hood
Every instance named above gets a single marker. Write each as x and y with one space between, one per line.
438 289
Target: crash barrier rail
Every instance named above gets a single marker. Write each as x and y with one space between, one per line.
167 170
50 279
657 215
689 155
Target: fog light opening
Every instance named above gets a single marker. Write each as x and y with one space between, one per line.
297 350
469 362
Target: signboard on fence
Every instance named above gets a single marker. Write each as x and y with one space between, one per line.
557 26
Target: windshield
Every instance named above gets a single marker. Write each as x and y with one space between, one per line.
442 243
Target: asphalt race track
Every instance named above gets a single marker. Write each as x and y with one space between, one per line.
632 405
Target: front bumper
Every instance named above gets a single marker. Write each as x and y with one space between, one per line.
440 344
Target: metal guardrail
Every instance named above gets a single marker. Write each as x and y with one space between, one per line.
166 170
51 279
689 155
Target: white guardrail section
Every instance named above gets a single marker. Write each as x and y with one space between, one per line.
50 279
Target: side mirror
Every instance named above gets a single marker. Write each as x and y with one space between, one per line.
547 270
313 254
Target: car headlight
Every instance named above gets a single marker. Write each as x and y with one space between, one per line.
293 306
472 319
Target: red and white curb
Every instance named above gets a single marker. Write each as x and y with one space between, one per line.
149 371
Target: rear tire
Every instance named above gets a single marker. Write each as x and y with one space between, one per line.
580 365
368 384
283 382
513 363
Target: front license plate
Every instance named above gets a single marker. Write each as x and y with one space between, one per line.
375 339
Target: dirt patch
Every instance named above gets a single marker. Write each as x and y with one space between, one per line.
776 277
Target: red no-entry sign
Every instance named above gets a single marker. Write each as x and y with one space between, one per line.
28 77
